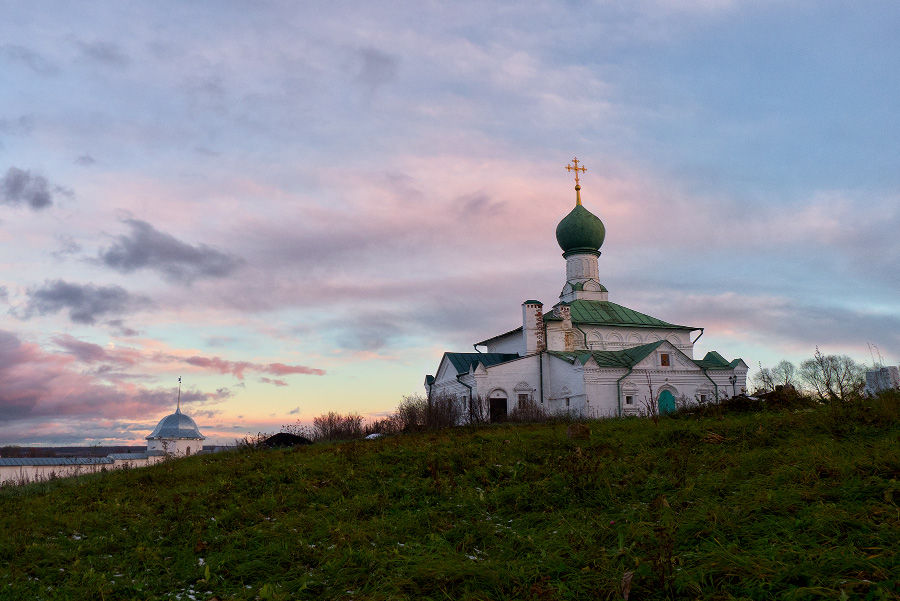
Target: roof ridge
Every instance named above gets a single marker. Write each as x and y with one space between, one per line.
608 313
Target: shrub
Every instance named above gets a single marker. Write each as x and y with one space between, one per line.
334 426
416 413
443 411
252 442
529 411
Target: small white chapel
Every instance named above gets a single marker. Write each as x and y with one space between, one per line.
176 435
586 355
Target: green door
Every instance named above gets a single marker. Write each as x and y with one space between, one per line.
666 402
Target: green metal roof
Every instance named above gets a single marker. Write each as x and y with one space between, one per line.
714 360
606 313
625 358
632 356
580 286
463 361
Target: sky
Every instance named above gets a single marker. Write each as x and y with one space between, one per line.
298 207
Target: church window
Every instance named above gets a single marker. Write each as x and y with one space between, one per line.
664 360
703 398
567 402
629 399
523 398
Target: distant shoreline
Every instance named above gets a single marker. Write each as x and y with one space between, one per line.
14 451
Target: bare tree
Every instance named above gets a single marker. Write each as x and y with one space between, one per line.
651 404
833 377
763 380
783 374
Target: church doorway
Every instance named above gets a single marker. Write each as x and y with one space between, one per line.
498 407
666 402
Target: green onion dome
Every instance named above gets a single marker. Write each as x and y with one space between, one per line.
580 231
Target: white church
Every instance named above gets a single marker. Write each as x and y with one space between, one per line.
586 355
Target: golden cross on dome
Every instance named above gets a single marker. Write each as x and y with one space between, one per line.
576 169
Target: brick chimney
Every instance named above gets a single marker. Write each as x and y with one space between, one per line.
533 326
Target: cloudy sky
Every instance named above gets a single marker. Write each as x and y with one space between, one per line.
298 207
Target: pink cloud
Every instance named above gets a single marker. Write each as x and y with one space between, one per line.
88 352
280 369
222 366
37 385
237 368
108 361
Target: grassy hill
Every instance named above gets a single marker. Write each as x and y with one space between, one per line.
784 504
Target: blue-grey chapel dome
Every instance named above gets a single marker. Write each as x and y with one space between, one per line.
176 425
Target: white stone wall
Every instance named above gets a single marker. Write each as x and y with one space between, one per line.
130 463
562 381
176 447
600 387
682 378
36 473
445 382
683 385
20 474
556 336
508 343
606 338
591 390
581 267
587 337
520 376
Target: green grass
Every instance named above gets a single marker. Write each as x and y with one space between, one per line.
793 505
